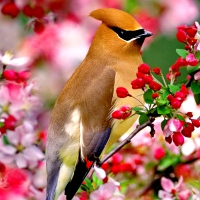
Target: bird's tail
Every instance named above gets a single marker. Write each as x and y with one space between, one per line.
81 171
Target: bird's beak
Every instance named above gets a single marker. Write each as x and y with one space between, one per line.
146 34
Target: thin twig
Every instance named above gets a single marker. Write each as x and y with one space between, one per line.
127 140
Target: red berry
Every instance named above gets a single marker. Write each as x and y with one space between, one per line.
180 96
10 122
138 83
188 129
195 122
159 153
28 10
175 67
178 138
117 114
157 70
155 86
192 41
181 35
155 95
191 31
10 9
10 75
147 79
184 89
168 76
189 114
23 76
38 12
175 103
144 68
122 92
140 75
38 27
168 139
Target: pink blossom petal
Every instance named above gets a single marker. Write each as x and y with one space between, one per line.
21 161
167 132
104 192
164 195
167 184
9 149
179 184
197 75
175 125
28 139
6 159
100 173
13 137
184 195
33 153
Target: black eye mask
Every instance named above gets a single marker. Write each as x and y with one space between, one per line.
128 35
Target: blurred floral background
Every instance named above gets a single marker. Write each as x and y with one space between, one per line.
42 42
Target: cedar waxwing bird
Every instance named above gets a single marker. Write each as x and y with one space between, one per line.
81 127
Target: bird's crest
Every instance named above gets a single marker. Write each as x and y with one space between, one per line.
116 18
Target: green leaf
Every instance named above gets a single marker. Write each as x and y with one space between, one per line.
165 94
163 123
174 88
96 181
192 69
137 108
198 55
180 117
195 87
167 161
1 124
182 52
197 98
5 140
163 110
148 96
161 102
143 118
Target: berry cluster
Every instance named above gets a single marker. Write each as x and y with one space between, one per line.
123 113
175 129
145 79
7 123
186 34
34 11
177 99
19 77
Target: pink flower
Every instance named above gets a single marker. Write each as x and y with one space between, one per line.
21 149
176 13
170 190
191 60
13 184
173 125
108 191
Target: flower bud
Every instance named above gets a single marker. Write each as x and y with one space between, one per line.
122 92
178 138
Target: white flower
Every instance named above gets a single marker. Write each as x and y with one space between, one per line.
7 59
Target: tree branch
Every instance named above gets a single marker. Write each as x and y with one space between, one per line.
128 140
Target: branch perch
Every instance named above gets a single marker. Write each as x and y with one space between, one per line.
128 140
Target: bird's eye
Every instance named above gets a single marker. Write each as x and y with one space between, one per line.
127 35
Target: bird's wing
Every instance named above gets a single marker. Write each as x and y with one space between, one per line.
95 126
95 116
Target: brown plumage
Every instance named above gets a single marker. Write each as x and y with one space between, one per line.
81 122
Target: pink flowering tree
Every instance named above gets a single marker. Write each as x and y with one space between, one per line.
160 159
